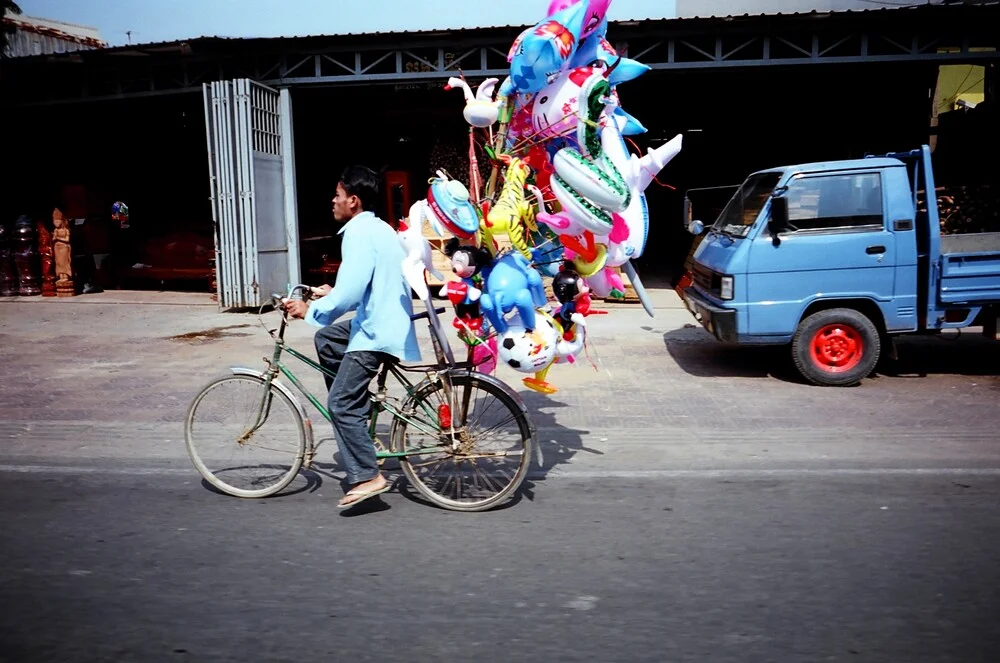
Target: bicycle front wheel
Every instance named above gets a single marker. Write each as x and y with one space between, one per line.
477 463
245 440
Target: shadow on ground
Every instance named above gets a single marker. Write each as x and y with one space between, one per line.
949 353
698 353
555 445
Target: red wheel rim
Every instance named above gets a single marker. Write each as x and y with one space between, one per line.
837 348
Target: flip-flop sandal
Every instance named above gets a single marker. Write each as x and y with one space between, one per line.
363 495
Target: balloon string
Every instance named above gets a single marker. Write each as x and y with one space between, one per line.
586 351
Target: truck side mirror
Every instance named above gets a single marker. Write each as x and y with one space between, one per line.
693 226
778 220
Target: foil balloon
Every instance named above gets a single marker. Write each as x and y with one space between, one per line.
597 51
480 109
585 182
449 204
528 350
484 355
511 283
418 254
596 11
539 53
638 173
558 107
532 351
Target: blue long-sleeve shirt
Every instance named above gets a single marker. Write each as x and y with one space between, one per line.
370 280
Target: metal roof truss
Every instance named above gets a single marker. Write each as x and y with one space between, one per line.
131 77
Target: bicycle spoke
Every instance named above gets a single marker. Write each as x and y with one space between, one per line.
469 476
244 440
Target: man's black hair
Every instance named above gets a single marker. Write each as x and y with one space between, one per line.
363 183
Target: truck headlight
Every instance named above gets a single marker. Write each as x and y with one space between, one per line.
726 287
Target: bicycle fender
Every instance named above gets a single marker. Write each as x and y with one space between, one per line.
306 421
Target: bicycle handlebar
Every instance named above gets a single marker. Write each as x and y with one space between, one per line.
277 297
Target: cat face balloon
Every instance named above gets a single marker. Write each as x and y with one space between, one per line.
556 107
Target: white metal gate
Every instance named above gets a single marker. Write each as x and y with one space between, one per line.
252 173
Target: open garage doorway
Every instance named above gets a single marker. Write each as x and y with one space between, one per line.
149 153
405 132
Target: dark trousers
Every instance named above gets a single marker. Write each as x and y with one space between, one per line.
349 401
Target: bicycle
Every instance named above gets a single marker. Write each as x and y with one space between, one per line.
437 406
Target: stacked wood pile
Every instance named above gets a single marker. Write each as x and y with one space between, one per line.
452 156
966 209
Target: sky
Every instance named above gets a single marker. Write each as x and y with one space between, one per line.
168 20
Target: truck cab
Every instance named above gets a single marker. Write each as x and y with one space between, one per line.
832 258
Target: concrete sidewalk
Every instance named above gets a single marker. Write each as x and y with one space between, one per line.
662 298
107 378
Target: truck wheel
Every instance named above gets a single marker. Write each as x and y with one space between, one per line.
836 348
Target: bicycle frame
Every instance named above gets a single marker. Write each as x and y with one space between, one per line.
441 371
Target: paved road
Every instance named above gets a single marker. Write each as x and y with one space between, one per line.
692 502
711 567
101 381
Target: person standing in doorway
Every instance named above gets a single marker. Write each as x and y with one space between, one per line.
370 281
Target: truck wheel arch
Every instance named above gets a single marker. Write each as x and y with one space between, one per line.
865 306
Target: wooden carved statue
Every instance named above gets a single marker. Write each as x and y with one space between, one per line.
46 253
25 257
63 255
8 273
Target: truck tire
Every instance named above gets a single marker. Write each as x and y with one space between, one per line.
836 348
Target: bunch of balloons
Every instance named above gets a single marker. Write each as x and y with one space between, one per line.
565 191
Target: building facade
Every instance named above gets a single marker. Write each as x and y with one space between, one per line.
32 36
218 143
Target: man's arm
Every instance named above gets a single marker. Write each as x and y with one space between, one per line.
355 274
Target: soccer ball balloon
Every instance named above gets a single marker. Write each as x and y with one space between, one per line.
529 352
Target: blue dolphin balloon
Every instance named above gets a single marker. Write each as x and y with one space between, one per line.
539 53
596 51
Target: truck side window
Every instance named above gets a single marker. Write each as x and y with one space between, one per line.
836 202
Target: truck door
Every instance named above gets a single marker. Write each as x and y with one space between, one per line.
837 246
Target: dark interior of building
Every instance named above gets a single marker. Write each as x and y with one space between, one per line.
734 122
151 152
148 153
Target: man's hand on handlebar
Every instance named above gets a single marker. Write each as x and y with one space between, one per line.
295 308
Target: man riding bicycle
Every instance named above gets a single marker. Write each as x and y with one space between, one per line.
370 281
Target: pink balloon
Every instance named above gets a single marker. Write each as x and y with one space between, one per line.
596 11
481 352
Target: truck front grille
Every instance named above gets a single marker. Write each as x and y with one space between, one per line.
707 280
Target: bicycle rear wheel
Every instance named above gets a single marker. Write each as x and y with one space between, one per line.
240 447
495 443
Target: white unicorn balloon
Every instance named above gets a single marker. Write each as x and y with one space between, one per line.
480 109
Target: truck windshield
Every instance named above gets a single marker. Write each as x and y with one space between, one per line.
738 216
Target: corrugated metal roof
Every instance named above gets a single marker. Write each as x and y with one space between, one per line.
185 44
81 34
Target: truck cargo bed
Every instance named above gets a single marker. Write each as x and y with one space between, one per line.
970 269
972 243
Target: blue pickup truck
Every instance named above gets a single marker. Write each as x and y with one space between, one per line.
834 259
